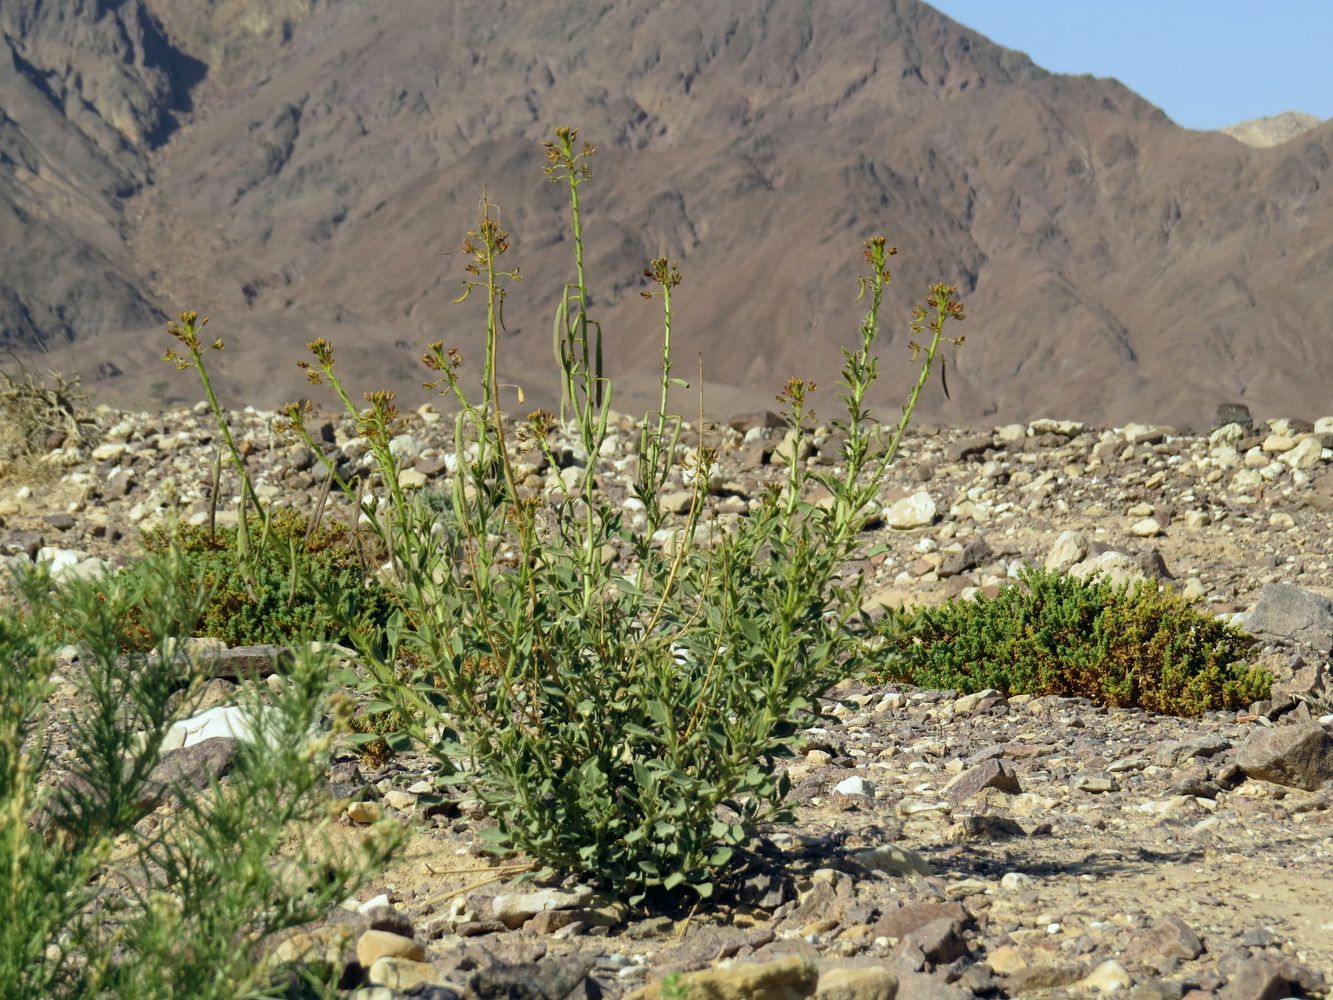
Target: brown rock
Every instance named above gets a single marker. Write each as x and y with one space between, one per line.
940 941
1042 977
1267 978
993 773
788 978
550 921
1170 938
874 982
903 921
1297 755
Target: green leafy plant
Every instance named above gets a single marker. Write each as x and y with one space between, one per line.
620 717
1133 645
102 893
272 594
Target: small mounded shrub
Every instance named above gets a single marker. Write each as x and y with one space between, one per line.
271 595
1124 646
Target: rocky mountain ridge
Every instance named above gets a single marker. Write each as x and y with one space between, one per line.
305 169
1272 130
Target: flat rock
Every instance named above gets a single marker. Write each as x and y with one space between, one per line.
994 773
892 859
513 909
870 982
788 978
229 721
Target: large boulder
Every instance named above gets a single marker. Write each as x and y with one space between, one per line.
1287 612
1298 755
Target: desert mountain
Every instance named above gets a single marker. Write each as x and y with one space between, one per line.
305 168
1272 130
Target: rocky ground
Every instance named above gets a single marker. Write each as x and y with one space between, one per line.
943 846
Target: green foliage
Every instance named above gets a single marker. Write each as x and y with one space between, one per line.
271 595
98 899
1126 646
622 719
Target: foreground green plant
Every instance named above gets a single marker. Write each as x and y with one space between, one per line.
99 899
620 704
1126 646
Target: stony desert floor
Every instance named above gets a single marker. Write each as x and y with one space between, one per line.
943 846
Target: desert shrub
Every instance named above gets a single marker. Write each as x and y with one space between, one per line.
1132 645
621 719
271 594
33 410
99 899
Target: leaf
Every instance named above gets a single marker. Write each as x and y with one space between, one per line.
720 857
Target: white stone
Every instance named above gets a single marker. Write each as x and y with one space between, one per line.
225 720
1109 977
109 452
1116 567
1063 428
398 799
1147 527
1143 434
404 446
411 479
916 511
1014 881
855 785
1197 519
1306 455
513 909
1069 548
1245 481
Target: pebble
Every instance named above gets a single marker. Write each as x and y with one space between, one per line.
916 511
364 812
855 786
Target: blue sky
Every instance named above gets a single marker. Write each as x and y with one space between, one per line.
1206 64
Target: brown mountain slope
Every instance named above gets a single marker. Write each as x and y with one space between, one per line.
1114 265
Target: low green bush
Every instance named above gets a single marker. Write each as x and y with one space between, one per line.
620 718
270 594
1136 645
104 895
